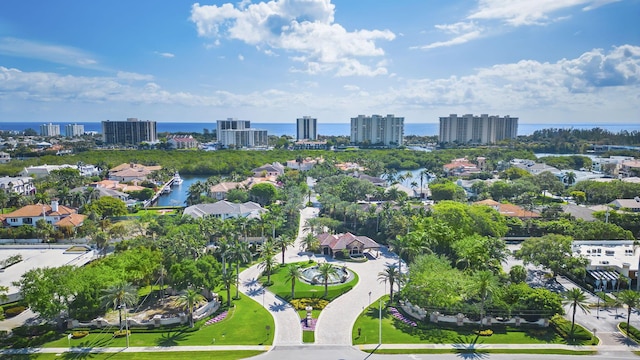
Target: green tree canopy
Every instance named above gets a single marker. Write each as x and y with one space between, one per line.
551 251
106 206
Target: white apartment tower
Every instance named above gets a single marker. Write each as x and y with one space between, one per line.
239 133
376 129
73 130
483 129
307 128
49 130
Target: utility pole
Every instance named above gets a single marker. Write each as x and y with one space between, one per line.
380 325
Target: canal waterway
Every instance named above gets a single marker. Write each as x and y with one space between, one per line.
179 193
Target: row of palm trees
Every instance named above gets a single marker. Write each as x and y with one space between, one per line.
123 295
576 299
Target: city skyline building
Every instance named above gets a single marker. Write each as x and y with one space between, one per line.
307 128
130 132
376 129
49 130
239 133
483 129
73 130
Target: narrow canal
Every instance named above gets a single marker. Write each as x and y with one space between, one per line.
178 194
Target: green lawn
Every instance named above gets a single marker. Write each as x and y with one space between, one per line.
244 325
192 355
484 351
308 336
396 332
282 288
155 212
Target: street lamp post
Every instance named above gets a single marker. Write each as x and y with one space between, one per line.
369 298
380 324
126 324
263 291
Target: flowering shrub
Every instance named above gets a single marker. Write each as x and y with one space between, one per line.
487 332
121 333
217 318
396 314
79 334
316 304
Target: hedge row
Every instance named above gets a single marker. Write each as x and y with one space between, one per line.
634 333
563 327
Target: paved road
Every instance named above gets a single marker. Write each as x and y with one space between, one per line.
337 319
288 329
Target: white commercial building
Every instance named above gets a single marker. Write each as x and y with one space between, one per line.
49 130
376 129
239 133
307 128
73 130
609 262
483 129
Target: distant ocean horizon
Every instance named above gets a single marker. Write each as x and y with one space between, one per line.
325 129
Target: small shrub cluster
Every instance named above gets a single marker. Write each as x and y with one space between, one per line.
79 334
317 304
121 333
14 311
486 332
633 332
11 260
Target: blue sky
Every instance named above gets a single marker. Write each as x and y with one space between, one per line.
544 61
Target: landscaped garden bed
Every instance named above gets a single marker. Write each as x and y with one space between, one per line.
397 331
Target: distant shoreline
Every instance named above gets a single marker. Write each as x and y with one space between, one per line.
324 129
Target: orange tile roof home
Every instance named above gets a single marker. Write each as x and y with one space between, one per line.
330 244
508 209
30 214
73 220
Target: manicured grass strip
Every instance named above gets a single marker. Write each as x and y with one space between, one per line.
634 333
191 355
395 331
483 351
308 336
244 325
282 287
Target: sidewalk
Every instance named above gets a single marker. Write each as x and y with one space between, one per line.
98 350
288 330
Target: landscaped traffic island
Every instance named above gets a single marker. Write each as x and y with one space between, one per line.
303 285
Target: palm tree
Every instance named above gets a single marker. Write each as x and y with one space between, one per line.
91 193
326 270
268 262
399 245
283 241
119 295
293 274
485 284
575 298
239 251
310 242
188 301
423 173
195 191
4 199
631 299
227 279
392 275
570 177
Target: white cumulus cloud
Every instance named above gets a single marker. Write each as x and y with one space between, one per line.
596 82
306 28
490 14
